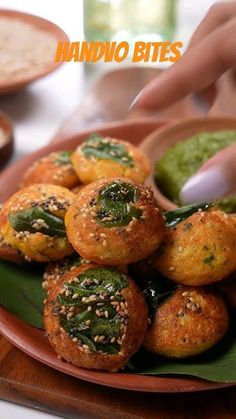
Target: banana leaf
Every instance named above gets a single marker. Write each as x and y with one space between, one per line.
217 364
21 291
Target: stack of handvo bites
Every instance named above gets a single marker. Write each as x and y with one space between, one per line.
89 216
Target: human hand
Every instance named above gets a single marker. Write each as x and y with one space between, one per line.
210 54
215 179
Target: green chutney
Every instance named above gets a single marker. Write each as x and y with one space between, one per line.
182 161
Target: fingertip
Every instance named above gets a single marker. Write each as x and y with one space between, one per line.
135 102
208 185
147 98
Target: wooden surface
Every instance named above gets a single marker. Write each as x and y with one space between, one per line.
27 382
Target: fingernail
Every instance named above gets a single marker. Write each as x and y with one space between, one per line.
200 102
205 186
135 101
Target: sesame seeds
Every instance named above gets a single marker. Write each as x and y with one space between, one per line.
49 203
84 315
39 224
193 306
22 235
190 304
85 347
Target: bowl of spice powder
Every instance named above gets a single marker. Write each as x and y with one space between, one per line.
27 49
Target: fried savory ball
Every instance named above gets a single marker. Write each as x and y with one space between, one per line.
7 252
96 317
228 288
55 169
200 250
55 270
114 221
187 323
32 221
100 157
77 189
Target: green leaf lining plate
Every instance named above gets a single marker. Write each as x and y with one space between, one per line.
33 340
24 296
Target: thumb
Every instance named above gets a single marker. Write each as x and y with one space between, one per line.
215 179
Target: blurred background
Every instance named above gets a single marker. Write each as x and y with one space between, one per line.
38 110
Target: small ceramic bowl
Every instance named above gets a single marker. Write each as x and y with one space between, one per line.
156 144
7 142
41 24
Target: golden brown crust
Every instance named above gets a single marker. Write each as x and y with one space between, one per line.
189 322
114 245
49 170
77 189
69 350
55 270
10 254
200 250
90 169
37 246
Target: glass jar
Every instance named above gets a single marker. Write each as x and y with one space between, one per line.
129 20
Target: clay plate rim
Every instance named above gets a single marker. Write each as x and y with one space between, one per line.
155 144
33 342
40 23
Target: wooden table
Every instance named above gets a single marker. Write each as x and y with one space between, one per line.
28 382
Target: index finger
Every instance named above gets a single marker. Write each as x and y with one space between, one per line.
218 14
199 67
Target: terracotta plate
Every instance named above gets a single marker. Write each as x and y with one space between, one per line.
156 144
33 341
39 23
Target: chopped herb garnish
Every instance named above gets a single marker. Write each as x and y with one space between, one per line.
107 149
98 309
209 259
116 205
63 157
36 220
